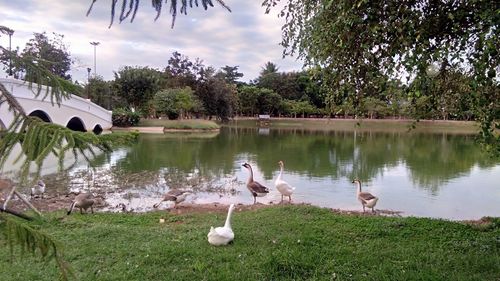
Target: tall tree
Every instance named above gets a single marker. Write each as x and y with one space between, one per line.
137 85
354 43
229 74
50 53
182 72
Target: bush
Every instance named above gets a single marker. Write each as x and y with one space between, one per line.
125 118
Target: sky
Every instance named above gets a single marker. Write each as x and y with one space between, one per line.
246 37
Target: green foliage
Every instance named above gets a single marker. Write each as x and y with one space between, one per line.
49 53
174 102
125 118
29 240
218 98
229 74
137 85
99 92
118 139
356 44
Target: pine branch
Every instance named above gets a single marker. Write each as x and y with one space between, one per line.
130 7
33 241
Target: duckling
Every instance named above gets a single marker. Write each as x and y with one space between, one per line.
38 189
257 189
83 201
367 199
174 195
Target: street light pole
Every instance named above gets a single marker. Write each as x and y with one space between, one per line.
10 32
95 45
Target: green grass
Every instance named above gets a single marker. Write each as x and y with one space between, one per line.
278 243
196 124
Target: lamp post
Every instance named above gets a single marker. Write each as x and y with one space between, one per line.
95 43
88 81
10 32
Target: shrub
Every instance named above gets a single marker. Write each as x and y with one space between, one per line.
125 118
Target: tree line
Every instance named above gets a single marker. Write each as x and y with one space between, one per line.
187 88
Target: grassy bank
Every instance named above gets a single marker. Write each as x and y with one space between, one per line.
188 124
380 125
278 243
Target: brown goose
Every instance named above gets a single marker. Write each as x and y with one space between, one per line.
257 189
367 199
83 201
174 195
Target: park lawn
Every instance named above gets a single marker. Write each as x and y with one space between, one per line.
186 124
277 243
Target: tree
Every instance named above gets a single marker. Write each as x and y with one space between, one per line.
182 72
269 68
99 91
229 74
50 53
174 102
137 85
355 43
218 98
248 97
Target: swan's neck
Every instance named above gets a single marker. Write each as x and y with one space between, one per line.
281 172
250 179
359 187
228 219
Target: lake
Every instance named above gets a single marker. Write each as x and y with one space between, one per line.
440 175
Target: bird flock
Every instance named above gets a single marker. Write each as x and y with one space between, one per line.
217 236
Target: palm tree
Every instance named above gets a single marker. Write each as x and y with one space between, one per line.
269 68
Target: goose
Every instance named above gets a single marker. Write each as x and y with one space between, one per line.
83 201
222 235
257 189
38 189
367 199
173 195
282 186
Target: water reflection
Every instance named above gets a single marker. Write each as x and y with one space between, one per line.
434 175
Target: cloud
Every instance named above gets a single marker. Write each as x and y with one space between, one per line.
245 37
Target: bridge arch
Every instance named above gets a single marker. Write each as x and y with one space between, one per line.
76 124
97 129
42 115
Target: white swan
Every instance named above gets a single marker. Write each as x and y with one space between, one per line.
222 235
367 199
282 186
38 189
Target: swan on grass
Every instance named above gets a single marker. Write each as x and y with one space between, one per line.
367 199
220 236
282 186
257 189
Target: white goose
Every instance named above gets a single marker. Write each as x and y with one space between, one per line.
282 186
38 189
367 199
222 235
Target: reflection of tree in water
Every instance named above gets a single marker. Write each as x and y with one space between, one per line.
432 159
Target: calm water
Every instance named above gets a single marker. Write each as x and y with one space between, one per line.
430 175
